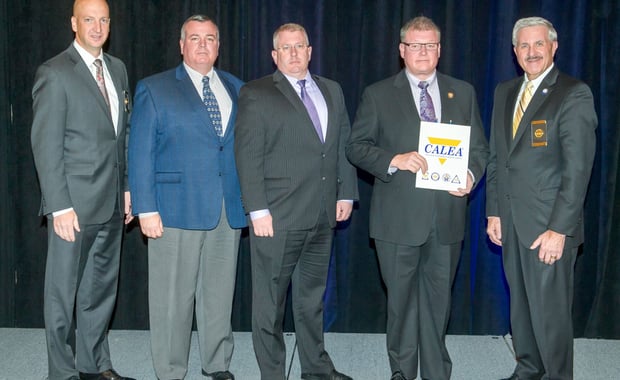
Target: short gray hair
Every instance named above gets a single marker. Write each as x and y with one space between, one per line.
199 18
533 21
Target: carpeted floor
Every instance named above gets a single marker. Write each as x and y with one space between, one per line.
362 356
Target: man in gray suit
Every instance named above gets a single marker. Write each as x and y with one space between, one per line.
296 184
543 143
418 232
81 105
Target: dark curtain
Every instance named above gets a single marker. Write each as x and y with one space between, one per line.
356 43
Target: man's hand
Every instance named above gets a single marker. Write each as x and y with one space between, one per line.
550 246
412 161
461 192
66 224
128 216
263 227
343 210
151 226
494 229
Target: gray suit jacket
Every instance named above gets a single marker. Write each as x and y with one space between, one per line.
538 187
79 159
282 164
387 123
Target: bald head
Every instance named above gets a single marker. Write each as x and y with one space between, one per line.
91 24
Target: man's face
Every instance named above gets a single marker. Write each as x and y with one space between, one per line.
91 24
201 45
421 63
534 50
292 54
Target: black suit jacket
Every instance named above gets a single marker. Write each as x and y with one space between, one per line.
282 164
387 123
539 187
79 158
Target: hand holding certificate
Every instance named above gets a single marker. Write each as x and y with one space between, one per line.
446 150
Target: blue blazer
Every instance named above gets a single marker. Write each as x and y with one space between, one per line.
178 166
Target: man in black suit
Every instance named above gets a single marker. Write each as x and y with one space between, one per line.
81 106
542 150
418 232
296 184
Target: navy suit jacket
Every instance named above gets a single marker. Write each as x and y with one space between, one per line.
178 166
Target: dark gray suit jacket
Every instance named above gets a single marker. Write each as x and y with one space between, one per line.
542 187
282 164
79 159
387 123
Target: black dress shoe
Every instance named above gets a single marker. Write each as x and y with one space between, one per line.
220 375
334 375
110 374
398 376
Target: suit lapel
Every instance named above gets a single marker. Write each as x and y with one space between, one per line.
332 115
188 91
540 96
116 75
284 86
81 70
233 97
405 100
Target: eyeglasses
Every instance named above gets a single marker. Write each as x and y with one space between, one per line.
289 48
417 46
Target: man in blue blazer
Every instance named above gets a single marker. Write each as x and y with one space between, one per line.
183 174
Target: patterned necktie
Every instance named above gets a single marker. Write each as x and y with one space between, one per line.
312 112
523 102
427 111
101 80
208 98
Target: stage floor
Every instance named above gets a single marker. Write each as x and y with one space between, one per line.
362 356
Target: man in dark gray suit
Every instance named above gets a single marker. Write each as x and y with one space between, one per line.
81 105
296 184
543 143
418 232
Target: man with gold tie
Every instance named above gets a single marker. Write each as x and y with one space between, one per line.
542 150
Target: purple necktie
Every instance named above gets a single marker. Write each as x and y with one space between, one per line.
427 111
314 115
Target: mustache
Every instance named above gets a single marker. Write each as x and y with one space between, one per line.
533 57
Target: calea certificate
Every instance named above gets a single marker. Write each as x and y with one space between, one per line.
446 149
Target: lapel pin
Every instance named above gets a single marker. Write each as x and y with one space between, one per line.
450 94
545 91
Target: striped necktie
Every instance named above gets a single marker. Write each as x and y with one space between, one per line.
523 102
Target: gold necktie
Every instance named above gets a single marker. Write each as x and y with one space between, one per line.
523 102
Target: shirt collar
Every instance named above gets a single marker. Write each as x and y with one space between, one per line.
86 56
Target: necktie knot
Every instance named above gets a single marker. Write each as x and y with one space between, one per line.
205 80
423 84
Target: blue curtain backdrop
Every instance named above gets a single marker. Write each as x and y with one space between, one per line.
356 43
